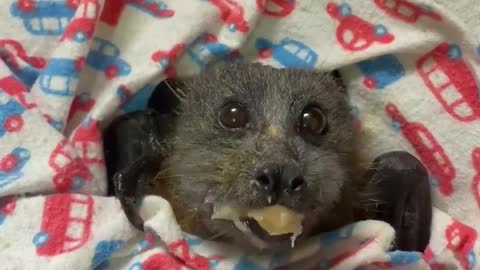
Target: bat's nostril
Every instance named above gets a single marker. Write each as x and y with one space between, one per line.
266 178
292 178
263 181
275 178
297 183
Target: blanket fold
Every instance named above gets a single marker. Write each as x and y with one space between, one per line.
68 67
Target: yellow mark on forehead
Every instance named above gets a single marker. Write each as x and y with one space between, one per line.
272 131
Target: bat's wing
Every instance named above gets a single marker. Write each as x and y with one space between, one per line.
134 146
402 188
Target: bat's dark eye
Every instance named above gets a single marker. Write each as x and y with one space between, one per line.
312 123
234 115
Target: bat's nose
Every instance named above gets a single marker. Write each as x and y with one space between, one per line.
274 179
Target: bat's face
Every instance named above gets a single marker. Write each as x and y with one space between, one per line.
252 136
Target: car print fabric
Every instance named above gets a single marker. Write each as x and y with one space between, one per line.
68 67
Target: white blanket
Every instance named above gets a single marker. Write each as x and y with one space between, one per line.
69 67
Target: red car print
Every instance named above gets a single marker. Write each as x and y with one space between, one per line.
56 124
451 81
66 224
16 89
231 13
429 257
87 140
24 67
113 9
427 147
7 207
166 59
276 8
82 26
406 11
81 103
14 49
181 250
428 254
354 33
159 261
461 240
71 172
335 261
438 266
476 179
154 8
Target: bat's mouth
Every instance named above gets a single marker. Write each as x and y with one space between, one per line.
261 239
262 234
270 226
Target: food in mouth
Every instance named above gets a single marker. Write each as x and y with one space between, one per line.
272 223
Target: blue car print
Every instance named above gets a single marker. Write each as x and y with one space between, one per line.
60 77
288 52
12 164
103 251
206 48
382 71
136 102
11 111
26 75
105 56
48 18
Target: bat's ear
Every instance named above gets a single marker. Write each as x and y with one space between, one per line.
167 94
336 74
339 79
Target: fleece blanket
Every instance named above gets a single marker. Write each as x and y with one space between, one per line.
68 67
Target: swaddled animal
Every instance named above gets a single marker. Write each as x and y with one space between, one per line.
239 138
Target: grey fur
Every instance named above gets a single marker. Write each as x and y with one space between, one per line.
215 164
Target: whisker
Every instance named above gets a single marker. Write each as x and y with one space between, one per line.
216 236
